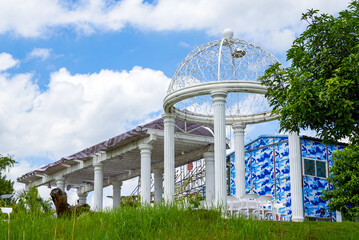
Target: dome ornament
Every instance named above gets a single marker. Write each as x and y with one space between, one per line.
228 33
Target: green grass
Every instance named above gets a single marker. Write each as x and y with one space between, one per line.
167 223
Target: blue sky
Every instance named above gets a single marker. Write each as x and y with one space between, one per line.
74 73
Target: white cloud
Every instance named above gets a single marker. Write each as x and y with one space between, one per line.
308 133
76 111
42 53
272 24
7 61
184 44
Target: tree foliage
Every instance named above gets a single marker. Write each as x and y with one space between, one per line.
6 186
344 195
320 90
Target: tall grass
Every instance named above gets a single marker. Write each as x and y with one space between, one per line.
166 222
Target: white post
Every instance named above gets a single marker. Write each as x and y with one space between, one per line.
339 216
28 186
145 173
60 183
219 104
239 164
158 177
210 175
295 177
98 186
116 191
169 157
82 197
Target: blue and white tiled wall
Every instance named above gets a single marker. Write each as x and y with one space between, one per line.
260 159
313 186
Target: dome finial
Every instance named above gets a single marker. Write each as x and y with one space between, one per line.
227 33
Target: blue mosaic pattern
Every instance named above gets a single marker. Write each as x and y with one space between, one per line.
247 158
261 142
280 139
313 186
263 175
282 176
313 150
313 203
232 176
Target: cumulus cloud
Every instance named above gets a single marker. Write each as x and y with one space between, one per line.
7 61
272 23
42 53
76 111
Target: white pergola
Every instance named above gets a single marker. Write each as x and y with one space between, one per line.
138 152
217 83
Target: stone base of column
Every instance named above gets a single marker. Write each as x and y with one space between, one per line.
297 219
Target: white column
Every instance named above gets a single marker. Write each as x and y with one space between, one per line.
239 164
28 186
116 189
60 183
339 216
145 173
82 197
295 177
98 186
210 176
169 157
219 104
158 177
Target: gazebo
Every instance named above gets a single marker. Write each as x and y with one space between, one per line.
217 83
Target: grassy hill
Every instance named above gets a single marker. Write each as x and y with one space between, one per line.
166 223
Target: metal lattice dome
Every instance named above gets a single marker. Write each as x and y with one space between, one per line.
229 64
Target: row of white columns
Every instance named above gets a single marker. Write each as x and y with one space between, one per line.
216 186
98 191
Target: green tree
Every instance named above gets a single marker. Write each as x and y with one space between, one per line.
344 180
320 91
6 186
